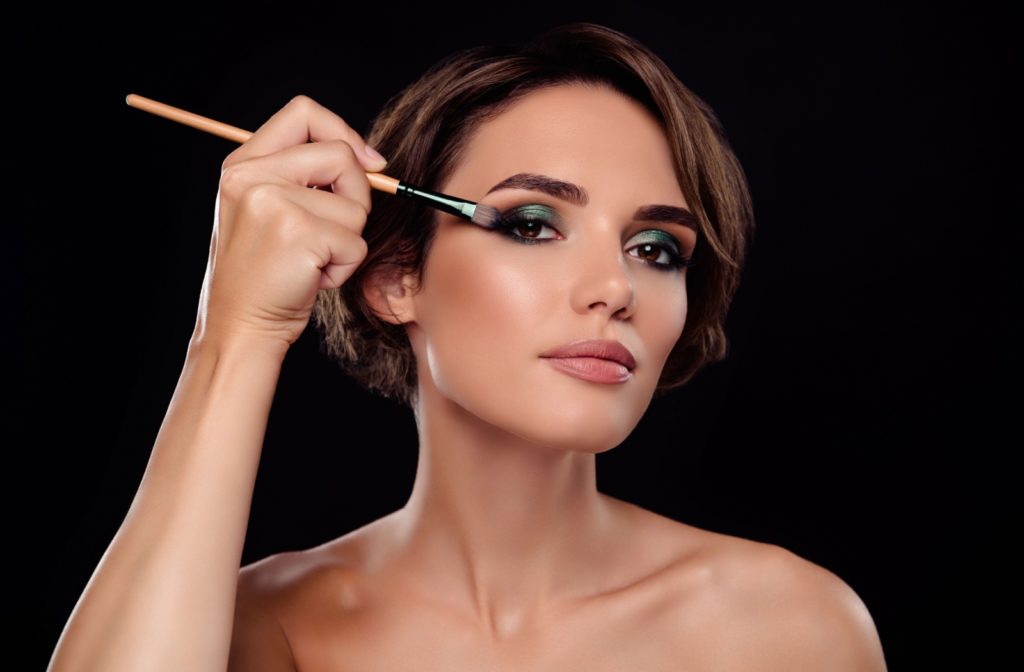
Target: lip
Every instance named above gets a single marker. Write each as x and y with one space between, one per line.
600 349
593 369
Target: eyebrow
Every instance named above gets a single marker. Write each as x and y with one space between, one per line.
577 195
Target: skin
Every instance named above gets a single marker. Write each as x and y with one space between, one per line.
506 557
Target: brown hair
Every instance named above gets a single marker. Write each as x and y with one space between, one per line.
423 131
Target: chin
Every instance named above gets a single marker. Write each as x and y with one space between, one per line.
572 444
581 429
579 417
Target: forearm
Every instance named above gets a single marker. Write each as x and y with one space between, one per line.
162 596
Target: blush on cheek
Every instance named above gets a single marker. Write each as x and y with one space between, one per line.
671 323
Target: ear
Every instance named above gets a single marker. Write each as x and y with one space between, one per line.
389 292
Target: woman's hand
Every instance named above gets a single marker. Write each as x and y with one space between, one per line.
275 241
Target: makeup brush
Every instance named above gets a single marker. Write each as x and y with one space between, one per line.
478 213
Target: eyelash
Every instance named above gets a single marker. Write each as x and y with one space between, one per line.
510 221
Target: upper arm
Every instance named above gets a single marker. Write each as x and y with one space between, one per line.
803 617
258 642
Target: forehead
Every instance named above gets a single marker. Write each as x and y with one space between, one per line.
591 135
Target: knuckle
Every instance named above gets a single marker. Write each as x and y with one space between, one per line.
346 152
361 246
236 156
227 162
358 245
302 101
346 148
355 242
262 197
356 212
232 183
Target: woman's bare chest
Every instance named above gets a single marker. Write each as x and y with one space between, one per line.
663 611
634 632
423 648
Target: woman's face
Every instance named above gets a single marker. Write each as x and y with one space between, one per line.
490 305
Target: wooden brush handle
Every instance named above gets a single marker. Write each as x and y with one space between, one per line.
378 181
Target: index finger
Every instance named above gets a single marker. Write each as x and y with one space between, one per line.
301 120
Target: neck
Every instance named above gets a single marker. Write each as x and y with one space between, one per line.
502 526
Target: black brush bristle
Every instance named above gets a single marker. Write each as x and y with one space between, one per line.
486 216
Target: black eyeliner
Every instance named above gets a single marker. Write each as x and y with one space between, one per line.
513 217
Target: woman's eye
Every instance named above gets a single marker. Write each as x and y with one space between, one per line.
661 250
660 256
526 224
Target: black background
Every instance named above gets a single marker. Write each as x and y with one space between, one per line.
857 420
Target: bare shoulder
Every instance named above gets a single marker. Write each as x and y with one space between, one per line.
776 610
273 579
283 584
807 616
258 639
291 583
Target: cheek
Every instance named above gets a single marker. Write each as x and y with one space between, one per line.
481 316
662 318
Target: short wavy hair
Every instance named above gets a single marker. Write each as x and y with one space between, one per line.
423 131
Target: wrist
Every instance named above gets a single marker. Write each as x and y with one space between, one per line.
244 343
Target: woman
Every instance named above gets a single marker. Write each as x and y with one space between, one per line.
625 218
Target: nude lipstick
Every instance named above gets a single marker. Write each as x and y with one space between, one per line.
598 361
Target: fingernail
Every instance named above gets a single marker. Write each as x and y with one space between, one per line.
374 154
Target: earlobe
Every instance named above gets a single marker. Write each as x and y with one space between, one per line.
389 296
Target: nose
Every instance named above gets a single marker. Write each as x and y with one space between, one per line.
603 280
